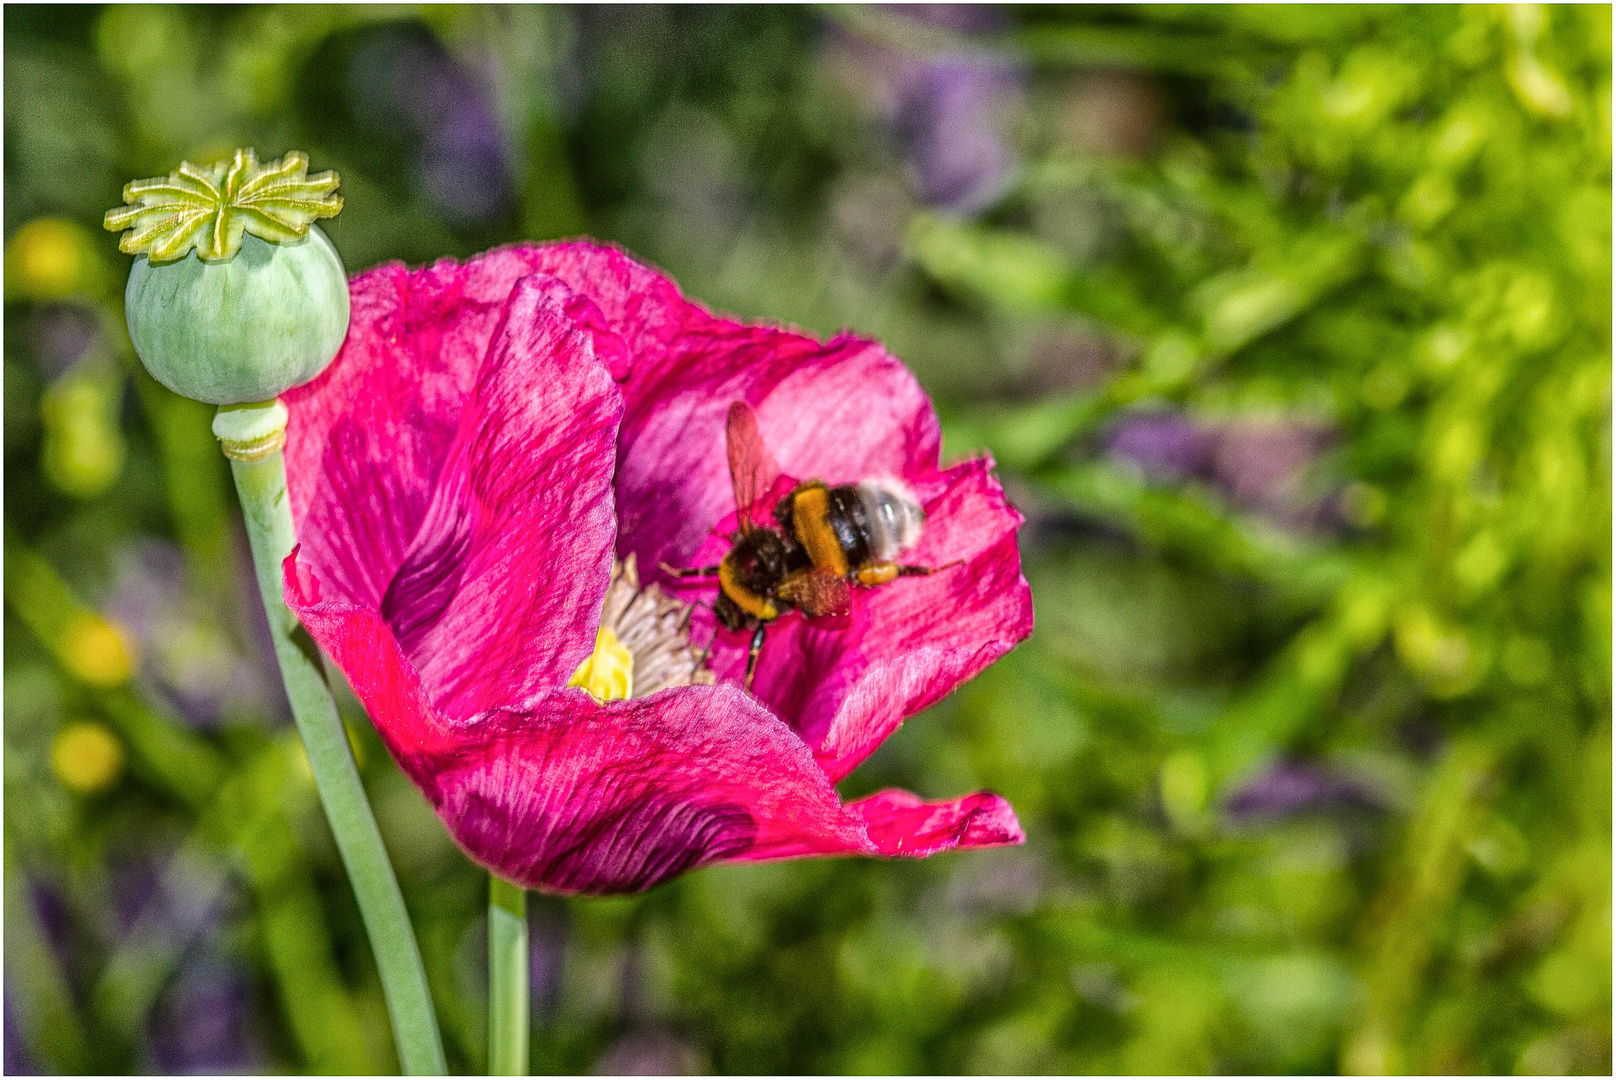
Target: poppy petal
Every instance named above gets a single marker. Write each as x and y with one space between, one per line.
844 687
367 438
575 797
903 824
500 592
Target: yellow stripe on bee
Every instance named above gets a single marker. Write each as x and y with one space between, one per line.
759 607
810 514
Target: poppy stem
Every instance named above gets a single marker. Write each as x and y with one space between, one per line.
252 437
507 978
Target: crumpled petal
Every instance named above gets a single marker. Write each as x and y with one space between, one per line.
452 479
902 824
497 594
575 797
367 438
839 411
500 592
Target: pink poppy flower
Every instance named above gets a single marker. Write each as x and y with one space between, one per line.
476 479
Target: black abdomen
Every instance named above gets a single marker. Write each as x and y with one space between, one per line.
850 521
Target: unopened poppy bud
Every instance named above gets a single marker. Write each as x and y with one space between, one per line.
235 295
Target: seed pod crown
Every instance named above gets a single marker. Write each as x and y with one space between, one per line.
211 208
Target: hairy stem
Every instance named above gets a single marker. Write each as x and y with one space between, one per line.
252 437
507 979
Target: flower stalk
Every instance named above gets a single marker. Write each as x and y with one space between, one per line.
252 436
507 978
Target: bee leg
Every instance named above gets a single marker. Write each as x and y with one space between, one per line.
922 571
752 653
689 571
707 652
872 574
690 609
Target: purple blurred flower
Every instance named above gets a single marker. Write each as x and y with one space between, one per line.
54 917
547 936
963 18
186 655
406 84
203 1024
173 895
952 110
650 1053
62 333
1297 787
952 115
18 1061
1165 445
1261 465
462 163
135 882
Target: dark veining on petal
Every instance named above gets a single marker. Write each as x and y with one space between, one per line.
429 578
649 840
632 844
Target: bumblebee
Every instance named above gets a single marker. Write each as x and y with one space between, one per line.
823 540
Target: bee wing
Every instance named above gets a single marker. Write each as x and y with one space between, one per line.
818 592
751 469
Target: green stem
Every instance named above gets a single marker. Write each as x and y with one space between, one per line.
252 437
507 979
50 1025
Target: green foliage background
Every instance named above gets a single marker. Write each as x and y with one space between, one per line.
1390 223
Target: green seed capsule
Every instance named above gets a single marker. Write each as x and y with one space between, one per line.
235 295
242 330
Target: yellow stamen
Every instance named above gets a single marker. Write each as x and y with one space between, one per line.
608 674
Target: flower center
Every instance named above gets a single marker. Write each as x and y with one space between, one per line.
643 644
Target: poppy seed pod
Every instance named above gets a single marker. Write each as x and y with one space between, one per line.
236 295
